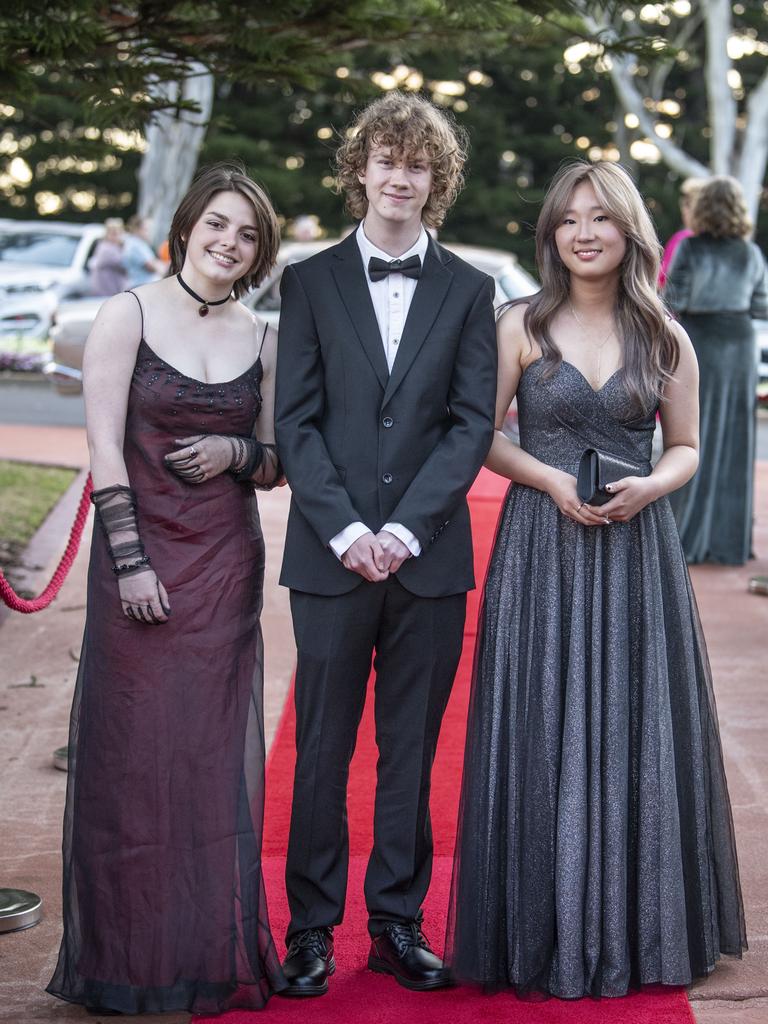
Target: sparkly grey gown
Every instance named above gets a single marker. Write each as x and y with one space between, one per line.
595 850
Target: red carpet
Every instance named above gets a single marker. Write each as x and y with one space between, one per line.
357 996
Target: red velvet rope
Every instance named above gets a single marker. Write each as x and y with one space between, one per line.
20 604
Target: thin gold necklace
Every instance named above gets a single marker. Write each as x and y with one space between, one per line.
599 347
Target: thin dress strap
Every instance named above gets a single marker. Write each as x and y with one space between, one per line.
141 309
263 338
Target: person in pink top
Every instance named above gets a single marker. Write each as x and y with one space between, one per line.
688 191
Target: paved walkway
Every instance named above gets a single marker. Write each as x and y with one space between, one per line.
39 653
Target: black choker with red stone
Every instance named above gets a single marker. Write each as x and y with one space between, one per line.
204 303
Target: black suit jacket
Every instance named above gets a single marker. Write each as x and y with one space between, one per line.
359 443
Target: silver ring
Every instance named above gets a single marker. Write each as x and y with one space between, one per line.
581 506
193 450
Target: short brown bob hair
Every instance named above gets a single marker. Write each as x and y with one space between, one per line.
208 183
719 209
410 125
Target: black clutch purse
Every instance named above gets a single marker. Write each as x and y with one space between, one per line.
596 469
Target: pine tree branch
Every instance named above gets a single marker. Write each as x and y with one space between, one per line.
110 53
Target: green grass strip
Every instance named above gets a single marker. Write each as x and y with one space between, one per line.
27 495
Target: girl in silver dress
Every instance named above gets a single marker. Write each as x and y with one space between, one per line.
595 849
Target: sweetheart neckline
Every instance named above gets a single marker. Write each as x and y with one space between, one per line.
566 362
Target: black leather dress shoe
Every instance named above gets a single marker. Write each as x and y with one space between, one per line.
402 951
309 963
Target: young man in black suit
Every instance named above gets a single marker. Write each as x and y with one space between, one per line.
386 383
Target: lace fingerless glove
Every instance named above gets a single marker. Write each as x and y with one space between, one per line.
255 462
116 511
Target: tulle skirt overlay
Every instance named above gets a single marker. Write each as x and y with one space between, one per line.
596 849
164 903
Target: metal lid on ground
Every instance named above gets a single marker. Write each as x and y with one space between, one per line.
19 909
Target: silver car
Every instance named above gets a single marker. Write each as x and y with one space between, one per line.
41 263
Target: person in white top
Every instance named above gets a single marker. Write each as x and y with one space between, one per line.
385 393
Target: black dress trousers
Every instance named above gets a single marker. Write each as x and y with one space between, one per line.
415 644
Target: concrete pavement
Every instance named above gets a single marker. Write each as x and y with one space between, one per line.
38 654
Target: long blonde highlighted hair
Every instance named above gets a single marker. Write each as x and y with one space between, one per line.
650 348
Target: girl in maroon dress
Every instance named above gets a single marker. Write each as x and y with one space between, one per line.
164 905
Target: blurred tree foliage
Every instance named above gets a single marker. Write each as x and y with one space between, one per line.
107 55
78 79
525 110
524 117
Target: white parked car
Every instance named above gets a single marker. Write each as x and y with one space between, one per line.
73 319
41 262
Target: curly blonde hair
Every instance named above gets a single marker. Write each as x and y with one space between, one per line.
410 125
690 187
719 209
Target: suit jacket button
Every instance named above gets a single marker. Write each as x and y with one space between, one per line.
387 422
387 478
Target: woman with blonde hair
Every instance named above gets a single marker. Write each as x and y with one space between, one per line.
107 270
595 848
717 284
688 192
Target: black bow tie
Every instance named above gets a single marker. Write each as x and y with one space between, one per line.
378 269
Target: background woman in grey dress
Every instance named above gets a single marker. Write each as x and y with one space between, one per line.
716 283
595 848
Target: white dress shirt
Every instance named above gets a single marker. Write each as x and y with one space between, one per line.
391 298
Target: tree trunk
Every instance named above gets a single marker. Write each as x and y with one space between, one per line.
742 152
174 141
754 152
722 105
